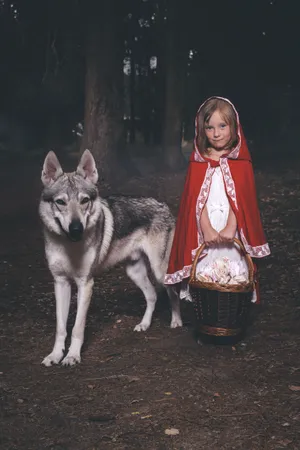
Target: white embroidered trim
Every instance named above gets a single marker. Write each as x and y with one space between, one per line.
229 183
256 252
201 200
198 156
176 277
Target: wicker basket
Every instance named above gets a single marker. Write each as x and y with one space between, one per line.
221 310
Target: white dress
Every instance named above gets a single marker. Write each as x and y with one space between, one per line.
218 210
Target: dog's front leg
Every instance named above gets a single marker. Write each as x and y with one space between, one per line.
85 289
62 288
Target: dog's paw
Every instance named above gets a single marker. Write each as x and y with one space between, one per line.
176 322
53 358
71 360
142 327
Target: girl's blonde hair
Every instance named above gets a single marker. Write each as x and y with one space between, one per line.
229 116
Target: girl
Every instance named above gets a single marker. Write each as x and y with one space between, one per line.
219 197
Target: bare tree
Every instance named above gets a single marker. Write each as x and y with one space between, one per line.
103 121
175 66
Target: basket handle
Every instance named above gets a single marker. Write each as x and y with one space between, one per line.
246 255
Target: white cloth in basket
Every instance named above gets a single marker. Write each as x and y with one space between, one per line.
223 271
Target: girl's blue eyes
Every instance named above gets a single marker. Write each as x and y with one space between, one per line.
221 126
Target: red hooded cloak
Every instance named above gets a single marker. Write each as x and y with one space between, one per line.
237 171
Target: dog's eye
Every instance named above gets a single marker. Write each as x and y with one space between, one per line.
59 201
84 200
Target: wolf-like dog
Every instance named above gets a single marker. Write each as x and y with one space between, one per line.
85 234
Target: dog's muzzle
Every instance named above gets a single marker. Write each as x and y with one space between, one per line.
75 230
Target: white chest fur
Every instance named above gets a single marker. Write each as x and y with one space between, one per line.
72 260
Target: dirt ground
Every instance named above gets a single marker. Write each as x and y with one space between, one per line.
132 387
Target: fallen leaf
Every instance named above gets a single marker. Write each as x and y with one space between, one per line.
168 393
294 388
146 417
285 442
135 413
171 431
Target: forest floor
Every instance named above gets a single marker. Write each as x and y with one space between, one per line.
132 388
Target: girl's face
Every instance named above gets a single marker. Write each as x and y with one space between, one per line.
217 131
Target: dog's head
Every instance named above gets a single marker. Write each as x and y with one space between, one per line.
70 202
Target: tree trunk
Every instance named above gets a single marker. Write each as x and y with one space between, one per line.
160 77
132 97
175 61
103 119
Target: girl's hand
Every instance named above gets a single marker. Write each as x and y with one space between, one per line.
227 234
210 236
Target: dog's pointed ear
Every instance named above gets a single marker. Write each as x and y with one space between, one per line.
87 167
51 169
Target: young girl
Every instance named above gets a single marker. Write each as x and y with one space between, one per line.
219 197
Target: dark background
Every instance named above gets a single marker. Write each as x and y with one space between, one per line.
63 62
57 56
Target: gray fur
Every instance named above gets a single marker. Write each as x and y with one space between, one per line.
85 234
